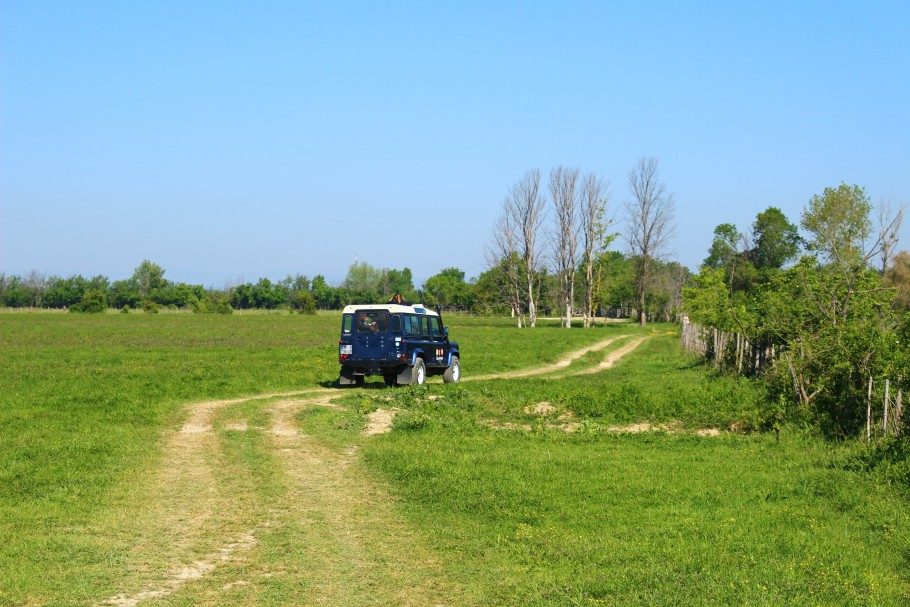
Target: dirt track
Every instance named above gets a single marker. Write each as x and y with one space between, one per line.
348 529
562 363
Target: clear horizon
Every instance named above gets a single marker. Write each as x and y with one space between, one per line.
232 140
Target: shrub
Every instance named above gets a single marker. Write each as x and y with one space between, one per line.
223 306
149 306
92 302
125 309
305 303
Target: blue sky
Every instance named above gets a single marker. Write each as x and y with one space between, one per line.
227 140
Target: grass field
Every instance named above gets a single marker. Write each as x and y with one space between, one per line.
132 473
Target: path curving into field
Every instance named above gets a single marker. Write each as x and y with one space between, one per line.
560 364
613 357
202 528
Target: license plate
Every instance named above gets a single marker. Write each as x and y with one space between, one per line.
346 349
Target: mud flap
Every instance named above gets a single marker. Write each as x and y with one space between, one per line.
404 378
346 377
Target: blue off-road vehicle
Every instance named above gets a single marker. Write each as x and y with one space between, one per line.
403 343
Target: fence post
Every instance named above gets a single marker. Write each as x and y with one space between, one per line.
869 411
885 415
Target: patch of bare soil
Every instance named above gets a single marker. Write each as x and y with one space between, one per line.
380 421
639 428
541 408
562 363
708 432
613 357
565 424
238 426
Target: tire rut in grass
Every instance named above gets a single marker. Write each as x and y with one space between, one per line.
179 530
613 357
362 553
560 364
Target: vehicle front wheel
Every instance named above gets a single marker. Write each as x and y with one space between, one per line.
418 373
452 374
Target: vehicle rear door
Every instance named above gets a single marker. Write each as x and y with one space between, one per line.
372 340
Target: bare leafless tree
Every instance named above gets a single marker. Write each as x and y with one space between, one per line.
889 225
594 225
526 209
649 224
504 254
563 184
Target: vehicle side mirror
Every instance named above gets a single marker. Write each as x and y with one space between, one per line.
445 331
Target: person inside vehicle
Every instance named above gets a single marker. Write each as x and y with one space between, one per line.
398 299
368 324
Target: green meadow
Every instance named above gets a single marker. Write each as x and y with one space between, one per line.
180 459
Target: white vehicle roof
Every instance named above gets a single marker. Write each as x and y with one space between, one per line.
393 308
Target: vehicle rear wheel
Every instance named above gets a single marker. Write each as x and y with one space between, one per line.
452 374
418 373
391 378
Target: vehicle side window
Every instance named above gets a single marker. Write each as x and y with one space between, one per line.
411 324
396 323
424 325
347 323
434 326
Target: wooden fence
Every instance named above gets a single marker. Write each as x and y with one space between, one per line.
747 356
730 351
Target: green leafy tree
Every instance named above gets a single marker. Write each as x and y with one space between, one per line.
725 248
839 223
776 239
399 281
64 292
124 293
449 290
362 277
616 283
707 298
325 295
147 277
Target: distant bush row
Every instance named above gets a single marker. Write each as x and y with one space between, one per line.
147 289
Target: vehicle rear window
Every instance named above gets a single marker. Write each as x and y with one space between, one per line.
372 321
396 323
347 323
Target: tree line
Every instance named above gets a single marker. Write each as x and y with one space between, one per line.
148 289
830 294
